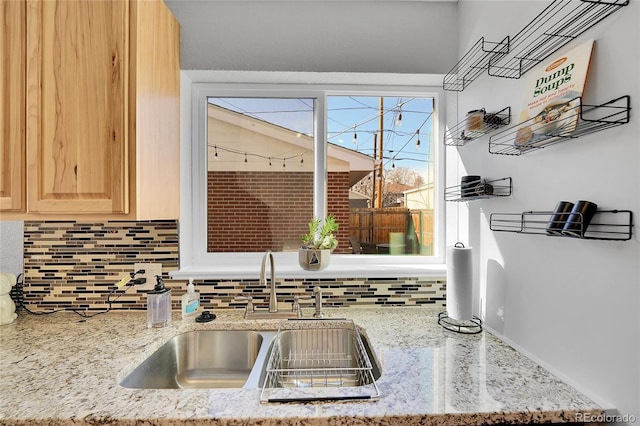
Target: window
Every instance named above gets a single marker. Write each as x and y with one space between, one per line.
390 198
259 173
266 159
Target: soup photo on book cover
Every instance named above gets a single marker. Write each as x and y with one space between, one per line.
551 104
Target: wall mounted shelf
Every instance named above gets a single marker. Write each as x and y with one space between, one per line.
460 135
563 122
610 225
558 24
473 63
499 188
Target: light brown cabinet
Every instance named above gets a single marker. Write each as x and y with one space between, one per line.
102 110
12 106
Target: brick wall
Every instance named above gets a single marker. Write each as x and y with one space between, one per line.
257 211
338 205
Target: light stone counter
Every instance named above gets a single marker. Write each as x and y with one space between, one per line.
62 370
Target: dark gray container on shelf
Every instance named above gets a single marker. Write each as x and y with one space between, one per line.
468 185
559 218
580 218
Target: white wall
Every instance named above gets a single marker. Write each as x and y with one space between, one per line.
11 247
317 36
571 304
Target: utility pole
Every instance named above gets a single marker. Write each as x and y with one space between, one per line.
375 154
378 203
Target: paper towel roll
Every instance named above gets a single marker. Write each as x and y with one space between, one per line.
459 282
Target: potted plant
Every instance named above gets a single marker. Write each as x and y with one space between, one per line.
318 244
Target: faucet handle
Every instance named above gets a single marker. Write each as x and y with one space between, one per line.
318 295
296 303
249 300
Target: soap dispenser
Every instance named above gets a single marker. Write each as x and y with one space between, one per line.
159 305
190 301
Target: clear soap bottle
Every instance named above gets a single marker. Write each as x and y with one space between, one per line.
190 301
159 305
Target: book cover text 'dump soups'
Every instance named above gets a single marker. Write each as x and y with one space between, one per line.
551 103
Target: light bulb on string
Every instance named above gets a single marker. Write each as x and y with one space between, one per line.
215 153
301 161
245 159
418 141
355 137
284 164
269 161
399 119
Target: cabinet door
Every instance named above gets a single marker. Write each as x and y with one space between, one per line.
77 59
12 106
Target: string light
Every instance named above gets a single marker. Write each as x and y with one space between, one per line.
246 155
411 137
397 108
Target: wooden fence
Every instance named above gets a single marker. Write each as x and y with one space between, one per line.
395 230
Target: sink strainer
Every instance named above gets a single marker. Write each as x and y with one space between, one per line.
318 360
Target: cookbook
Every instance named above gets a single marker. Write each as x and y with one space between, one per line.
551 104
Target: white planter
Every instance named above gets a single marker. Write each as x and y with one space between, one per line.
314 259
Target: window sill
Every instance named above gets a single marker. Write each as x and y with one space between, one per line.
247 266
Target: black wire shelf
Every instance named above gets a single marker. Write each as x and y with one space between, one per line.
474 63
559 123
609 225
478 190
558 24
461 134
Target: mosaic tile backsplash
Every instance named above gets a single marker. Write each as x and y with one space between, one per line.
75 265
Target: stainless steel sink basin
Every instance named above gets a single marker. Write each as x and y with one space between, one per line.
203 359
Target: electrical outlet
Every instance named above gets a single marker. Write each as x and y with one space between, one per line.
150 272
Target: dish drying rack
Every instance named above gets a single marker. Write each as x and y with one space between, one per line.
318 360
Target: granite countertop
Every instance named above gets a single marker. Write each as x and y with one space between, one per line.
61 369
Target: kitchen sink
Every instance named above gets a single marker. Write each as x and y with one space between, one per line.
319 355
203 359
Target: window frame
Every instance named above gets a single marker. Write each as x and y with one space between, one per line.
196 262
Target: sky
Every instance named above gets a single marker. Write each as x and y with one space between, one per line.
349 115
405 121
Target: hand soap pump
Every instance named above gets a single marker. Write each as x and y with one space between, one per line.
190 301
159 305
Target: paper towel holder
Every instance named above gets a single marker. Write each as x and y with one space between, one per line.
472 326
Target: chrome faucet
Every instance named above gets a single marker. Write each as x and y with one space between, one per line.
251 312
273 299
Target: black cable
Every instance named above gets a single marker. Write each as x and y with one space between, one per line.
79 312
